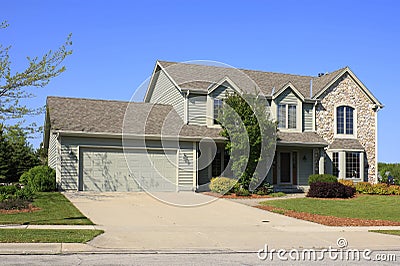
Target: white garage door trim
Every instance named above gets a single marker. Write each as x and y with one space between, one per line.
123 182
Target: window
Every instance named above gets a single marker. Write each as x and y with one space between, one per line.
282 116
344 120
352 165
287 116
217 109
335 164
291 116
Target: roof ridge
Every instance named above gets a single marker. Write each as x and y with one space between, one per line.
102 100
252 70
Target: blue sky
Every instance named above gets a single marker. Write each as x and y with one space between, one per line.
116 43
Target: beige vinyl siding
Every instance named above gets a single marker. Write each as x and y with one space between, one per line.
52 151
307 117
287 97
221 92
197 109
185 176
69 167
165 92
305 166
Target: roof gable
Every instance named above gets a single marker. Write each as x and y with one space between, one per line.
338 75
291 87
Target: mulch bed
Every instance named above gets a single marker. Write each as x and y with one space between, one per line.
328 220
30 208
233 196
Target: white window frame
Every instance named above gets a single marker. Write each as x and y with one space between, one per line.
344 135
342 163
287 115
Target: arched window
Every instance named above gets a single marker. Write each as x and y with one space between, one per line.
344 120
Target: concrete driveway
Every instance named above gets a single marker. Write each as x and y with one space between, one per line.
136 221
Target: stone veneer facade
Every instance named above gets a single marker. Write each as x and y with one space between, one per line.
346 92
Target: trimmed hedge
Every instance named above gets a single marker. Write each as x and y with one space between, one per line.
322 178
348 183
40 179
222 185
379 189
330 190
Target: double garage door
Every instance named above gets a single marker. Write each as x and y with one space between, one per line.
112 170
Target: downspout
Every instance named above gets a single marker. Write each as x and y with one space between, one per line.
186 120
376 143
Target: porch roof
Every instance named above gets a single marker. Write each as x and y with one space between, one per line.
346 144
309 139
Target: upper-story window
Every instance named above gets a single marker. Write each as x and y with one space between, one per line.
344 120
287 116
217 109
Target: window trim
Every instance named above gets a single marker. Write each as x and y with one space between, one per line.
342 167
286 108
344 135
213 110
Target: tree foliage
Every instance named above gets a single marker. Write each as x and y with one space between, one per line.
38 73
252 145
16 154
392 169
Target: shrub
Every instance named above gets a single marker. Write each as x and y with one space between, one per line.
243 192
265 189
330 190
15 197
40 179
364 188
14 204
380 189
322 178
348 183
8 190
394 190
222 184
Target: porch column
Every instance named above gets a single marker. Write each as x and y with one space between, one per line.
321 162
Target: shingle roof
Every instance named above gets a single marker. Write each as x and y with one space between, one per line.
300 138
346 144
104 116
199 77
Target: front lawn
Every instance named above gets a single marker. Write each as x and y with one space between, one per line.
54 209
47 235
370 207
388 232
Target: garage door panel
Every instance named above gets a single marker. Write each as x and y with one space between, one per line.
107 170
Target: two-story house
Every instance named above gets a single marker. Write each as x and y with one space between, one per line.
171 141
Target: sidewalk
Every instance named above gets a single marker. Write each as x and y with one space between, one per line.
137 223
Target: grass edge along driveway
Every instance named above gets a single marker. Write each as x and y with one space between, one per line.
369 207
48 235
55 209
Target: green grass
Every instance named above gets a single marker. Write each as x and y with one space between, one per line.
388 232
55 209
277 194
372 207
47 235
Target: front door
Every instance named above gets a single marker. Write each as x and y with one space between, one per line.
285 167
